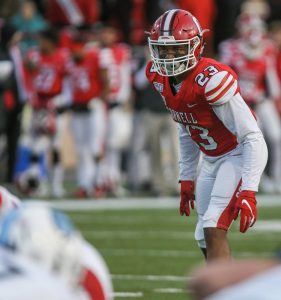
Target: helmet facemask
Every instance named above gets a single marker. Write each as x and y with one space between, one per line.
178 64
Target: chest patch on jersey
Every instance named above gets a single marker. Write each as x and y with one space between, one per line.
158 86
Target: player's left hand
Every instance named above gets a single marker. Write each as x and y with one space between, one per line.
246 205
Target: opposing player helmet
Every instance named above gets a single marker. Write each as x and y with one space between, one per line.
45 236
176 31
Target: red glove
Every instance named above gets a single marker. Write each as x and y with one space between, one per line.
187 197
246 204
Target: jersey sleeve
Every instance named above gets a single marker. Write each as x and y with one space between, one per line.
189 155
221 87
237 118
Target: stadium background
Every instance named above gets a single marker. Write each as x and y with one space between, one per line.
149 249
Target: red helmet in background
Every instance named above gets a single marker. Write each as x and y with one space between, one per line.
176 28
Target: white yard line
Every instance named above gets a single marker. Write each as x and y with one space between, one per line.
171 253
141 203
167 235
170 291
149 253
136 235
85 218
268 226
149 277
128 294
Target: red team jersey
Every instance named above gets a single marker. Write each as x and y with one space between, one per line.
113 60
253 73
85 79
46 80
192 105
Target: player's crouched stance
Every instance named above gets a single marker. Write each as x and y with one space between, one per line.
43 257
204 98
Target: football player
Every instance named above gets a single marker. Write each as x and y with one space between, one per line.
253 57
203 97
115 58
45 69
89 112
43 256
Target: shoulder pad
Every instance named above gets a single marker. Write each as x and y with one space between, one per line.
221 87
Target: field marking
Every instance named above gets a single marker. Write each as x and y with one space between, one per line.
138 203
170 291
268 225
135 235
128 294
150 277
172 253
149 253
85 218
167 234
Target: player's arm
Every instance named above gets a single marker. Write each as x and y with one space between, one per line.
188 162
189 155
124 93
273 82
62 101
223 94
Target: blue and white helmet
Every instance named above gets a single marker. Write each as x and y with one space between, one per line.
45 235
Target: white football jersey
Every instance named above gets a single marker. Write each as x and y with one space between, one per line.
23 279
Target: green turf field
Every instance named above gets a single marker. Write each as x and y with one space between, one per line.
150 252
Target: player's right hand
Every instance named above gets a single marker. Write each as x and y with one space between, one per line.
187 197
246 206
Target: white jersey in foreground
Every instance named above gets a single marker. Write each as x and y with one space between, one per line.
265 286
23 279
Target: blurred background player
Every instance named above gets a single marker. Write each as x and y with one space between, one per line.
115 58
253 57
153 158
43 256
275 35
12 97
49 94
72 12
87 81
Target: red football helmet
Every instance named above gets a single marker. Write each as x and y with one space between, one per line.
180 30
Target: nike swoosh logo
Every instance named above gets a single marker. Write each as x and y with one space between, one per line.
191 105
248 205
